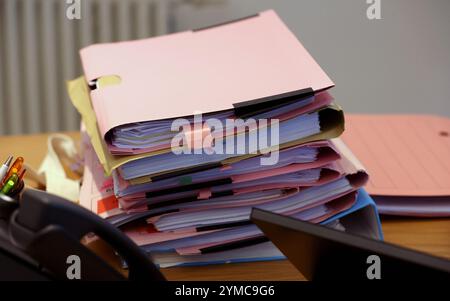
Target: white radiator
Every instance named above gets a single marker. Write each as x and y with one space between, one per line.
39 52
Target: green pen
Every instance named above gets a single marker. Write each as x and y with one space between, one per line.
10 183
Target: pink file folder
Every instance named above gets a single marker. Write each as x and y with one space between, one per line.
204 70
97 191
408 159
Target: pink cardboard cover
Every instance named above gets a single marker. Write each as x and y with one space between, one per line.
207 70
405 155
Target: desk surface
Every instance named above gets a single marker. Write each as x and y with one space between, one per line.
427 235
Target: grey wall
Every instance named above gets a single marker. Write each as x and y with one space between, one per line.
398 64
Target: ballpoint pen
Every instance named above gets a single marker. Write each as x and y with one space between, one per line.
10 183
4 168
15 168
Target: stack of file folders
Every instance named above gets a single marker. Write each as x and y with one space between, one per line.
188 205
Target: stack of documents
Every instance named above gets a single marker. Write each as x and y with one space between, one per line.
186 133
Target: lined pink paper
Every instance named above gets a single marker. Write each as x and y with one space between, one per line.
405 155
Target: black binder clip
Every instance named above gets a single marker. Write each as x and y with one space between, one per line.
260 105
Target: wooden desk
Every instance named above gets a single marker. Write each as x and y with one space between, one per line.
427 235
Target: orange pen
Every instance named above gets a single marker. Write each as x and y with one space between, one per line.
15 168
21 174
